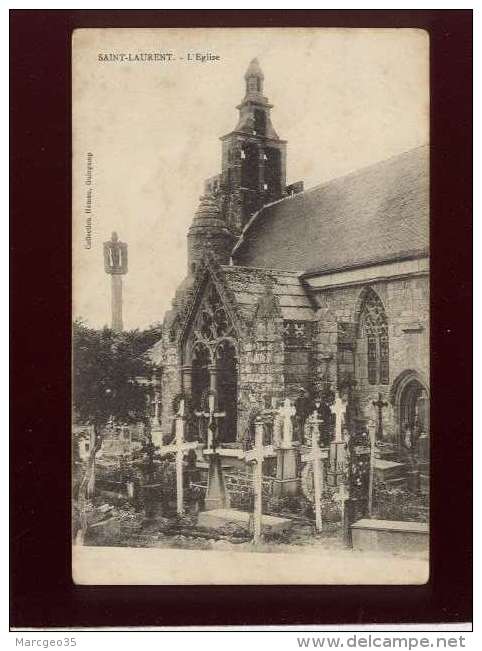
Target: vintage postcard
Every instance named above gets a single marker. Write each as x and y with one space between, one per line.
250 306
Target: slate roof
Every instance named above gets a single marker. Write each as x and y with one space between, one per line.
375 214
247 285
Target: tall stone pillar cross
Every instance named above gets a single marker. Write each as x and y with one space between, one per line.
338 408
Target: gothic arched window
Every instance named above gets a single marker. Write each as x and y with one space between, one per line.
373 337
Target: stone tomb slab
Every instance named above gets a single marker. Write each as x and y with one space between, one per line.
221 517
390 536
385 469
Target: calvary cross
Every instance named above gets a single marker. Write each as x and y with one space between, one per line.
181 447
379 405
256 456
315 456
211 415
338 408
155 402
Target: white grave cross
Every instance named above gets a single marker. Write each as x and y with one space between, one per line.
338 408
256 456
371 434
155 402
181 447
315 456
287 411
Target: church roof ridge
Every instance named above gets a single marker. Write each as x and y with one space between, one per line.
236 267
323 184
411 254
361 170
376 212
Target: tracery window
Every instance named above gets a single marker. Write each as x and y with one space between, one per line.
211 324
384 368
372 358
374 328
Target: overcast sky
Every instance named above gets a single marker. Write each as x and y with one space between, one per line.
343 99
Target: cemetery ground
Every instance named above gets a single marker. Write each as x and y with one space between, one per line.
123 526
163 549
164 498
151 521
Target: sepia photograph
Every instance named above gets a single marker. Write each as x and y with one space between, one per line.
250 306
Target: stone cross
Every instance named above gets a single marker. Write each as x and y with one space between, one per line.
371 434
115 264
286 412
271 415
315 455
338 408
342 497
256 456
211 415
181 447
155 402
379 405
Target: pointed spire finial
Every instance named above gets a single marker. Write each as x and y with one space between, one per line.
254 70
254 79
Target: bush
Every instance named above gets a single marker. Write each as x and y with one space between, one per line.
241 499
296 504
399 504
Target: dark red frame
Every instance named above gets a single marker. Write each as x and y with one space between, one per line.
42 593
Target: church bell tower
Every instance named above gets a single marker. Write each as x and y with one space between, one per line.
253 174
253 157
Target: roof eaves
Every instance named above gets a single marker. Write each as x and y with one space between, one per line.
408 255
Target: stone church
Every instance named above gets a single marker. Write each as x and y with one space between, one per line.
294 293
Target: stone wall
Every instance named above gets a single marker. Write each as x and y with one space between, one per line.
260 369
272 362
406 304
298 356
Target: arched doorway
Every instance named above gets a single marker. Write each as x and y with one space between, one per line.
414 415
201 360
412 408
227 389
210 355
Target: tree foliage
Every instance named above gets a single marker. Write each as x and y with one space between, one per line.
110 369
